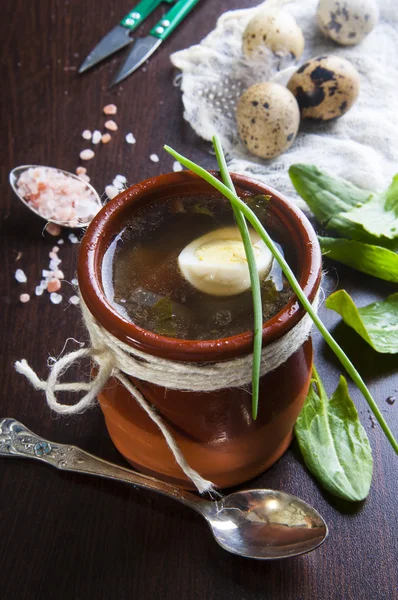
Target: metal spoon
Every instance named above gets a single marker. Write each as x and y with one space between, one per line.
17 172
260 524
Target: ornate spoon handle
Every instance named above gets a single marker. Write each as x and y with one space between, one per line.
17 441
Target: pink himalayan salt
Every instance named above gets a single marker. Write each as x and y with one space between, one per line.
111 125
57 196
110 109
54 285
24 298
81 171
53 229
106 138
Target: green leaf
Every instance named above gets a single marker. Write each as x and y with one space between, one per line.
376 221
373 260
325 195
377 323
333 442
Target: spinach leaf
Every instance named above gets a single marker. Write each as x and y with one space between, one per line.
350 211
373 260
377 323
333 442
325 195
376 221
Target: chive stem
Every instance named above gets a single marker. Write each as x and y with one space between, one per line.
254 278
254 221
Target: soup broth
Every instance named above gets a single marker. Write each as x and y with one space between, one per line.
143 282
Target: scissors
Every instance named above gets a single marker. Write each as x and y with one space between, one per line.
144 47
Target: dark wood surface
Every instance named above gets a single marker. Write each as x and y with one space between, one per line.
70 537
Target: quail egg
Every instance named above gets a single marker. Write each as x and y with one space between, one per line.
275 29
268 119
325 87
347 22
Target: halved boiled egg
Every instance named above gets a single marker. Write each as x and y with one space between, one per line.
216 262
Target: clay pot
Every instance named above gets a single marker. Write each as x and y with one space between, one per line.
215 430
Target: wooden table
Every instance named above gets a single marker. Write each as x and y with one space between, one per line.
69 537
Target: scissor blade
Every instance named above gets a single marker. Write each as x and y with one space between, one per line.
116 39
140 52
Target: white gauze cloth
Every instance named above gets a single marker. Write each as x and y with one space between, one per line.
361 146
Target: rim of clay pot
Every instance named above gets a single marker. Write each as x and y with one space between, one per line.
107 223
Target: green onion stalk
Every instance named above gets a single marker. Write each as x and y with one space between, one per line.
240 207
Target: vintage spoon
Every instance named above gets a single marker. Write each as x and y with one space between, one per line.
17 172
259 524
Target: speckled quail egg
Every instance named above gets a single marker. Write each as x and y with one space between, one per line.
275 29
347 22
268 119
216 262
325 87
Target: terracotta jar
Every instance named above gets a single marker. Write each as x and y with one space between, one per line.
214 430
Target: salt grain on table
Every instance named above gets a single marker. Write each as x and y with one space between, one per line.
86 135
24 298
74 300
110 109
73 239
111 125
55 298
106 138
53 229
54 285
97 136
61 241
130 139
20 276
39 290
59 274
87 154
177 166
154 158
111 191
81 171
117 184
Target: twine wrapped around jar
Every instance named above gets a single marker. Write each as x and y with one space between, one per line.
114 358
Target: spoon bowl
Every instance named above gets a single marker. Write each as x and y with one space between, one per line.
261 524
76 224
266 524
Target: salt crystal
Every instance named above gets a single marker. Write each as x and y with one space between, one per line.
86 135
55 249
111 125
59 274
87 154
154 158
106 138
117 184
121 178
53 229
73 239
177 166
74 299
97 135
55 298
54 262
60 242
53 255
54 285
20 276
81 171
130 139
24 298
111 191
46 273
110 109
39 290
74 282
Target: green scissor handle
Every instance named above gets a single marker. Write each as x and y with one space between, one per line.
171 19
140 12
